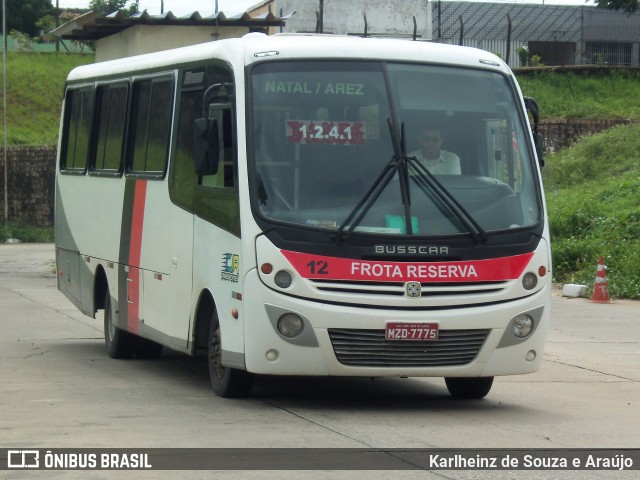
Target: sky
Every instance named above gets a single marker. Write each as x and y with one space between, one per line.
235 6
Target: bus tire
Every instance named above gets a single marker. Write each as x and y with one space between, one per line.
469 388
226 382
120 344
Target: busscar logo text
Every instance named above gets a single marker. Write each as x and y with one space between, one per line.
411 250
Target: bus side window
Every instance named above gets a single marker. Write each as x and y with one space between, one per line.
77 130
503 152
112 107
151 126
184 178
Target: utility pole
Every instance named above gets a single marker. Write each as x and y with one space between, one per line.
4 112
57 24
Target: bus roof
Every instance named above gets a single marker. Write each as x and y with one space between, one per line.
255 47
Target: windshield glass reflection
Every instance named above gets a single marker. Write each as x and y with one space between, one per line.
324 152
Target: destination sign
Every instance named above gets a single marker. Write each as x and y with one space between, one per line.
337 133
314 88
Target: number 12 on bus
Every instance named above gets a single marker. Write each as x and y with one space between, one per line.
234 200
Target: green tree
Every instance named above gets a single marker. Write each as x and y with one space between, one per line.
46 24
629 6
105 7
22 15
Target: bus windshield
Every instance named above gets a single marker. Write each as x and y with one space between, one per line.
390 148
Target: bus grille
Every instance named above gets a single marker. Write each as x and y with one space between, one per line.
399 288
368 348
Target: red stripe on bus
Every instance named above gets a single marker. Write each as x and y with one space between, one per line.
135 250
336 268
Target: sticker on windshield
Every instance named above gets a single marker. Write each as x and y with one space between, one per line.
322 223
333 133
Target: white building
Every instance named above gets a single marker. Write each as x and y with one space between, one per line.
356 17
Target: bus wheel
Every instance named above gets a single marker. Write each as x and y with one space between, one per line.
469 388
226 382
120 344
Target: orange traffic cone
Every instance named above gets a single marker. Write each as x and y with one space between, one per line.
601 287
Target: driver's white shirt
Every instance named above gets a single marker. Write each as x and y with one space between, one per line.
447 164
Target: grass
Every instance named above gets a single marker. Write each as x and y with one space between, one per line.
607 93
35 83
26 233
593 192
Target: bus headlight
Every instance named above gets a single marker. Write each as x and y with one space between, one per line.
529 281
290 325
283 279
522 325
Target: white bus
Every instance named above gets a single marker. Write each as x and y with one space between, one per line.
269 202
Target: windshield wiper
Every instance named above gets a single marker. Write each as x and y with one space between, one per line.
401 163
396 164
427 179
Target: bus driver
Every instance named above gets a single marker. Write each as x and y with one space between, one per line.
431 155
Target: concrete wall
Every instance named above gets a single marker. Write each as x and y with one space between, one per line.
562 133
146 39
610 25
485 26
384 17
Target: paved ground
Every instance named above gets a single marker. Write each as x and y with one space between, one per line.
59 389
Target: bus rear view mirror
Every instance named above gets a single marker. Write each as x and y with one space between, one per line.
206 146
209 138
538 140
532 106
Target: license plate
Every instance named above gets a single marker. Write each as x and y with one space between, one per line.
411 331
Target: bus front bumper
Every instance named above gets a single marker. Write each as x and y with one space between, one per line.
341 340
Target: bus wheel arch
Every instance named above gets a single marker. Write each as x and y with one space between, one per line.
120 343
